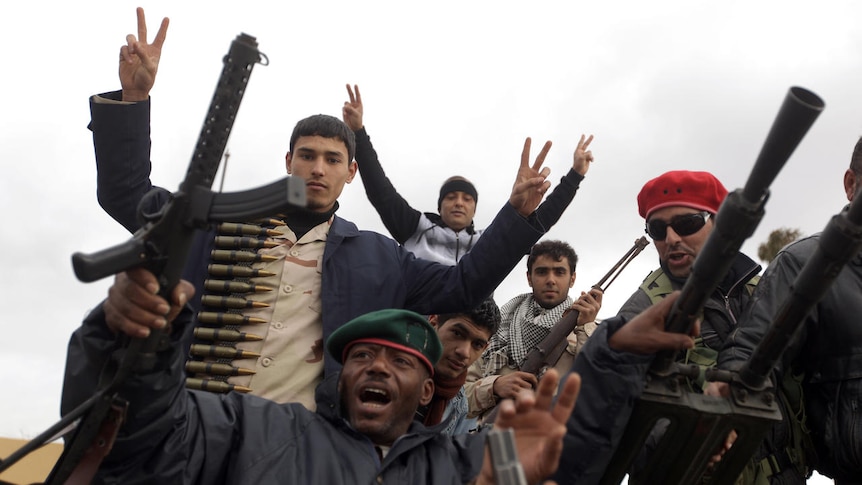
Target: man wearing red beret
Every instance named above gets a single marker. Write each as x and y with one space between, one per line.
678 207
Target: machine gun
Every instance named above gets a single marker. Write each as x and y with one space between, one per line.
162 246
548 351
699 424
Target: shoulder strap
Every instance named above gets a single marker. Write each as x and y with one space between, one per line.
752 284
657 286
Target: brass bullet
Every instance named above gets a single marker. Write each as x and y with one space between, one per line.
202 350
244 242
234 271
235 229
215 368
271 222
230 302
218 318
226 335
234 256
214 386
230 286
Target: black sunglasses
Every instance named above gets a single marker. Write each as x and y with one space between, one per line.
682 225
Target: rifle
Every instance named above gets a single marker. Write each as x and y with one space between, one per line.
162 246
548 351
699 423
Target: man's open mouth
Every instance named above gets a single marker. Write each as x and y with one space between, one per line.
374 397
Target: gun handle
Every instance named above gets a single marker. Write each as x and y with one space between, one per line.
95 266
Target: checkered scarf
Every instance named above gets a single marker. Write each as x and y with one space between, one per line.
525 323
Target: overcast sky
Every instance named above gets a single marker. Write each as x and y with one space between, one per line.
449 88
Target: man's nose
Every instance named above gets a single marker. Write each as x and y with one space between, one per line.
463 349
318 167
379 365
672 237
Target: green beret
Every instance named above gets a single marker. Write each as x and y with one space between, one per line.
399 329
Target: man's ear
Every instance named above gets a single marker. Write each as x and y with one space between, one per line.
529 279
427 391
351 168
572 281
434 320
850 184
287 162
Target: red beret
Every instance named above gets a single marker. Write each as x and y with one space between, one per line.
698 190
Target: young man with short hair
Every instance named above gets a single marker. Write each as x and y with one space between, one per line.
464 337
526 320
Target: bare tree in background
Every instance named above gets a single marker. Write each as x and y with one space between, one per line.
777 239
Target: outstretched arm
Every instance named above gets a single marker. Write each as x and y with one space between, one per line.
553 207
399 218
539 426
121 129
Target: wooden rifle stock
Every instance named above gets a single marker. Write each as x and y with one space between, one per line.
551 348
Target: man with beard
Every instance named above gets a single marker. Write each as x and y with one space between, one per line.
526 320
363 430
679 207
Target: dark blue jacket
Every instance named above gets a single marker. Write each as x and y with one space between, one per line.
362 270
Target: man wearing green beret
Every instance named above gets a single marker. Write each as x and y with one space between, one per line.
362 432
